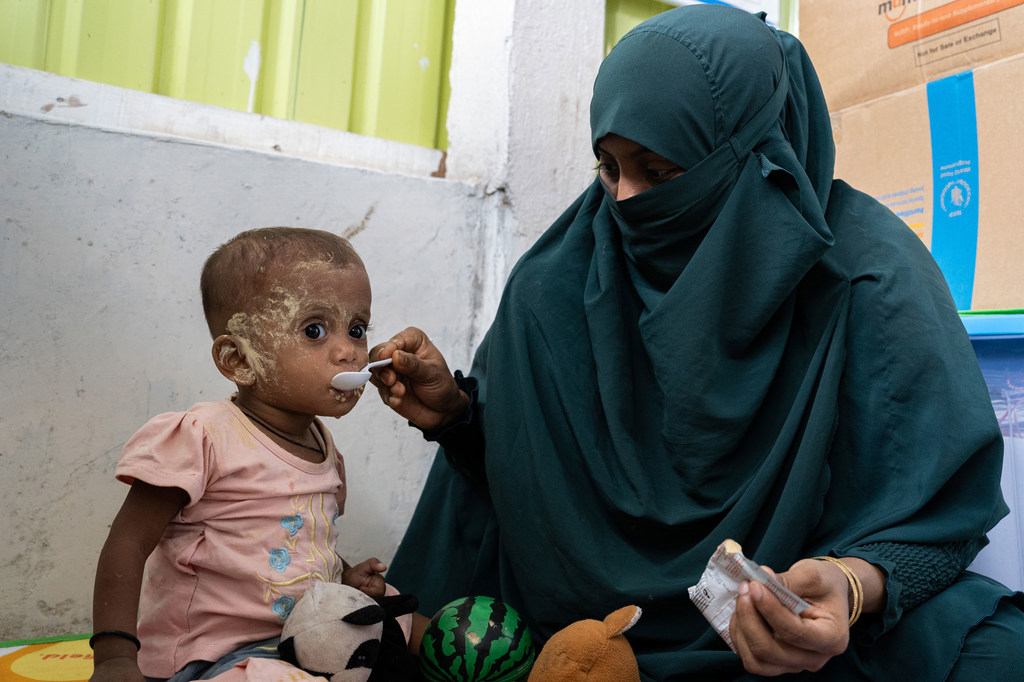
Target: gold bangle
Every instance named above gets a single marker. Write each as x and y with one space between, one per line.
856 588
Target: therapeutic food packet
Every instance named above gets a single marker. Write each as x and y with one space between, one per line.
715 592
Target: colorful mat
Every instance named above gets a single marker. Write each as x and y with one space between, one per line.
52 659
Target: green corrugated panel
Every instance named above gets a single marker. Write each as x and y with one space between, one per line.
223 42
282 38
787 14
172 55
63 31
117 43
375 67
400 49
327 63
622 15
23 32
113 41
445 85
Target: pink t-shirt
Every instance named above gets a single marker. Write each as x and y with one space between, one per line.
258 527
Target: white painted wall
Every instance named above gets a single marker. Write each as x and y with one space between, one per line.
110 201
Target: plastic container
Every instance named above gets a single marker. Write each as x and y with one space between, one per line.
998 341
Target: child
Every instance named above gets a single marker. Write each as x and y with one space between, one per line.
238 497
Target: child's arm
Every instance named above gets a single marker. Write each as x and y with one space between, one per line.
134 534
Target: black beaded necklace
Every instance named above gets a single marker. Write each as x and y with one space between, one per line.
277 432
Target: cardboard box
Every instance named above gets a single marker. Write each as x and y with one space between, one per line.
946 157
865 49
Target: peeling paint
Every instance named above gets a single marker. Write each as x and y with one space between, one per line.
251 66
69 103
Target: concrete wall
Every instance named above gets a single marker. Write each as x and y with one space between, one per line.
110 200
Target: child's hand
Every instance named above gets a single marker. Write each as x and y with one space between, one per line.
366 577
121 669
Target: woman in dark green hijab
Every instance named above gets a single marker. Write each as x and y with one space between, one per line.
718 340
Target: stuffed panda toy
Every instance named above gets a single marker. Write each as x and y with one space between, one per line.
340 633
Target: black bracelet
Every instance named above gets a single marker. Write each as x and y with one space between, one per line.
116 633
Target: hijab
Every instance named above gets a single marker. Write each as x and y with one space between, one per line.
668 371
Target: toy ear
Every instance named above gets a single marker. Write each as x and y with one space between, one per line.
617 622
590 650
395 662
398 604
367 615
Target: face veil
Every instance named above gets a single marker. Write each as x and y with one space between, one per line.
710 94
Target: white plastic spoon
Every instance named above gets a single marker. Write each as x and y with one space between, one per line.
350 381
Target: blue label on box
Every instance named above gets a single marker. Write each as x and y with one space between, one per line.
954 133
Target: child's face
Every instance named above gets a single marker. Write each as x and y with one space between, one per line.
311 326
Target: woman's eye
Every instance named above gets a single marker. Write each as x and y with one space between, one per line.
358 331
606 168
663 174
315 331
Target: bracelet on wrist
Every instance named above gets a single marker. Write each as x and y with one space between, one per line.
856 593
115 633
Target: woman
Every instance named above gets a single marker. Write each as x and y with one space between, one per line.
717 340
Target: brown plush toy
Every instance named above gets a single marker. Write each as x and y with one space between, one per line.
590 650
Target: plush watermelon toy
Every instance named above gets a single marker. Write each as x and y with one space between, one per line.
476 639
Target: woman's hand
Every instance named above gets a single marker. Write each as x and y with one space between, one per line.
772 640
418 384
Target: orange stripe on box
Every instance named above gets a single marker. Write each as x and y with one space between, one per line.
944 18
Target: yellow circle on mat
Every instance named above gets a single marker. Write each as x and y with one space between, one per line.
56 662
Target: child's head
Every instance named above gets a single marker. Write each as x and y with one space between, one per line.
288 309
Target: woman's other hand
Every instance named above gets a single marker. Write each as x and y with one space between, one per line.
772 640
418 384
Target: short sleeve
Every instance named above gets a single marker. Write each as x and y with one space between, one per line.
172 450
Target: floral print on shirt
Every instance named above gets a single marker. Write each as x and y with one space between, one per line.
310 524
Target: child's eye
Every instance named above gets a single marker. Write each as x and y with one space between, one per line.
358 331
315 331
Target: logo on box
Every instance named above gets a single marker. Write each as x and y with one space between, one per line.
956 195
